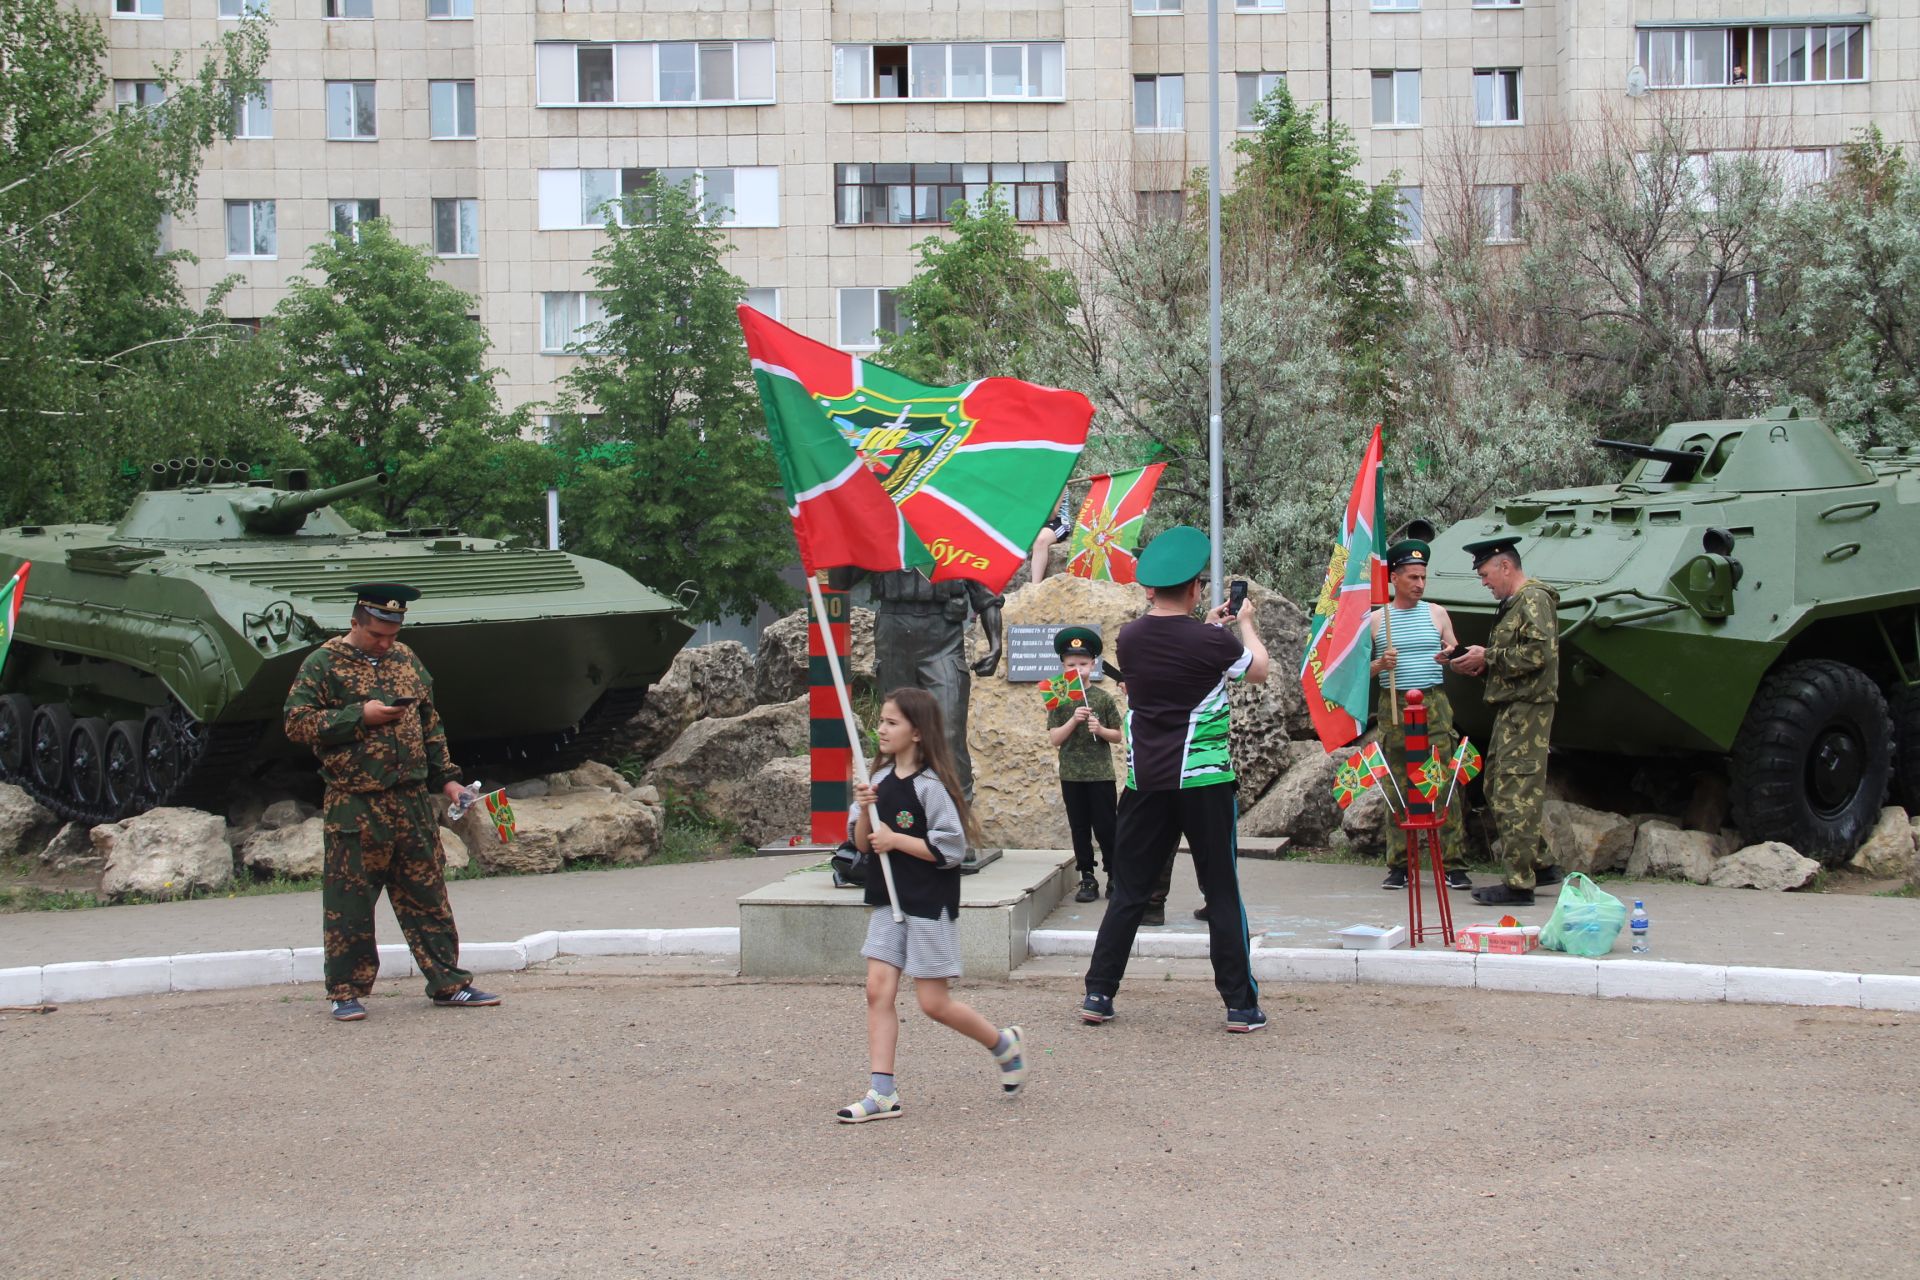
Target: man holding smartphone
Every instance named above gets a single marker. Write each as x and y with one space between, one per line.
364 703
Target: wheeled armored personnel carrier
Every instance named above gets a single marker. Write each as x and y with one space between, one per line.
1750 590
152 657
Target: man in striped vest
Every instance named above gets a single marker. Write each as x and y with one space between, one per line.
1405 659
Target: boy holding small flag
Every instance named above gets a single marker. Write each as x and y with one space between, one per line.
1084 729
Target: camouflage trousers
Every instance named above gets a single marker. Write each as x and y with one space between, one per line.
1440 736
1517 783
386 840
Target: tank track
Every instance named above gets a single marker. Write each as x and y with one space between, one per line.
211 758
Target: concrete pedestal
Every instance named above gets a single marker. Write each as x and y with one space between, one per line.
802 926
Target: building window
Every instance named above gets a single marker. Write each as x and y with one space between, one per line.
251 230
1496 4
570 199
345 216
253 114
349 8
243 8
137 9
1160 206
864 315
567 321
1396 99
1159 102
1716 57
133 95
655 73
1156 6
1499 211
765 301
1396 6
449 8
350 115
1805 168
1413 216
950 72
456 228
1254 86
895 194
450 109
1260 6
1496 96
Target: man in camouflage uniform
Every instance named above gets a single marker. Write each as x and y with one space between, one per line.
364 704
1521 661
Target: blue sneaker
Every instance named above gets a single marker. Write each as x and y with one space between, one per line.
348 1011
467 997
1245 1019
1096 1009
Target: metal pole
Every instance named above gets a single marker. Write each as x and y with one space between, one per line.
1216 499
553 519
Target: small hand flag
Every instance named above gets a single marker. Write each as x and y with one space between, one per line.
1349 779
1064 688
501 811
1466 762
1375 761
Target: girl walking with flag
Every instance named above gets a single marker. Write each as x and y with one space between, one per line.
924 825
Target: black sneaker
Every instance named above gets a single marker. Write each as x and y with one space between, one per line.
348 1011
1200 912
1396 878
1089 890
1109 886
1239 1020
1096 1009
1503 895
467 997
1459 880
1155 915
1547 875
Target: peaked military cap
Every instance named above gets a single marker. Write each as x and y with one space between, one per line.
1177 556
1488 548
1076 642
1411 551
386 601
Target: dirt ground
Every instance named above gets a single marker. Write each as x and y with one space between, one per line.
632 1125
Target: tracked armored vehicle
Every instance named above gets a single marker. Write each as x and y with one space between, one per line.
1750 590
152 657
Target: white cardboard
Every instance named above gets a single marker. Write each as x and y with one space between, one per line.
225 970
1662 980
106 979
1792 986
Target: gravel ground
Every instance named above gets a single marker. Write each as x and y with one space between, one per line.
635 1125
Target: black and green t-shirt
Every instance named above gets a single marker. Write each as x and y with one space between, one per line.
1177 670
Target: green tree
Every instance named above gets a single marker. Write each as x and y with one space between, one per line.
670 472
382 369
981 303
91 314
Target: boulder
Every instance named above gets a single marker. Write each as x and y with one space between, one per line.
1660 849
731 748
780 665
772 807
1300 806
581 826
1888 851
24 825
294 851
164 853
1589 840
1361 821
1771 865
286 813
722 677
453 850
711 680
525 789
670 707
591 776
70 850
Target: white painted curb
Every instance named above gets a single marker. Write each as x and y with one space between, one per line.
1623 978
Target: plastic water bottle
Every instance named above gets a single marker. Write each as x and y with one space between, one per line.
469 795
1639 924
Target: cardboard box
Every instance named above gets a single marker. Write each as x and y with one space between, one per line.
1372 937
1497 939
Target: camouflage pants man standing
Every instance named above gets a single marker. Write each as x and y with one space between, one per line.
1517 785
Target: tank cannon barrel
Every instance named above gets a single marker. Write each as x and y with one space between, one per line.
284 513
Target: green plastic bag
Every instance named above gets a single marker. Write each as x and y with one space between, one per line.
1586 921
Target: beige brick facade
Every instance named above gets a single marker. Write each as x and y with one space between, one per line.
1573 58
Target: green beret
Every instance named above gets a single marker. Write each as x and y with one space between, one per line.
386 601
1488 548
1176 557
1412 551
1076 642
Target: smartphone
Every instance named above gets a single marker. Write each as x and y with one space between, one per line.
402 702
1236 596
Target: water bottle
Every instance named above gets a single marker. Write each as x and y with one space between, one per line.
1639 923
469 795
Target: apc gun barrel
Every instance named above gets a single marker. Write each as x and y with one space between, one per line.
286 512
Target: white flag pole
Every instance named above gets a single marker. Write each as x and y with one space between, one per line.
853 729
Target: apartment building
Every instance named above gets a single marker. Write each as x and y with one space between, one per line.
828 136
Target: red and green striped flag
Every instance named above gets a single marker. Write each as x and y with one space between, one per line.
15 594
1466 762
1374 760
1349 780
1106 534
1424 776
1334 674
500 809
882 472
1062 689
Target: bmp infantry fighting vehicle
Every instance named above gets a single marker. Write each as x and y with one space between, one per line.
152 657
1750 589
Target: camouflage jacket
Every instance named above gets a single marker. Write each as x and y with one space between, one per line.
323 712
1523 650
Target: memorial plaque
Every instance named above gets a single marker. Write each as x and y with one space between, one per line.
1030 655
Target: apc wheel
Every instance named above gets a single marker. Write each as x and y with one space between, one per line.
16 730
47 747
122 770
87 762
1812 760
159 755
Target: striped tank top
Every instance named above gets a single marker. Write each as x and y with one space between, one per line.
1417 640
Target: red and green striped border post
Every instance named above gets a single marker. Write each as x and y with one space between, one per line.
828 750
1422 826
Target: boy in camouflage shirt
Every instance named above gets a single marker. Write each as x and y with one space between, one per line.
1084 733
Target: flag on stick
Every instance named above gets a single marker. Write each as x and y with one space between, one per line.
1424 776
1067 687
1349 780
1465 765
1334 674
500 809
1106 534
15 592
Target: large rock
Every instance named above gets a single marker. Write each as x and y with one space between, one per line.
1589 840
722 677
1361 823
24 825
591 776
71 850
554 830
164 853
732 748
1301 805
780 665
295 852
286 813
1888 851
1771 865
1661 849
774 805
711 680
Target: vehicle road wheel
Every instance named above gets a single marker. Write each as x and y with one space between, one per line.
122 767
16 730
1812 759
87 761
47 747
159 755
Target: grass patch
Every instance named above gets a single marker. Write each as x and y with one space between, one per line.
1904 891
18 897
